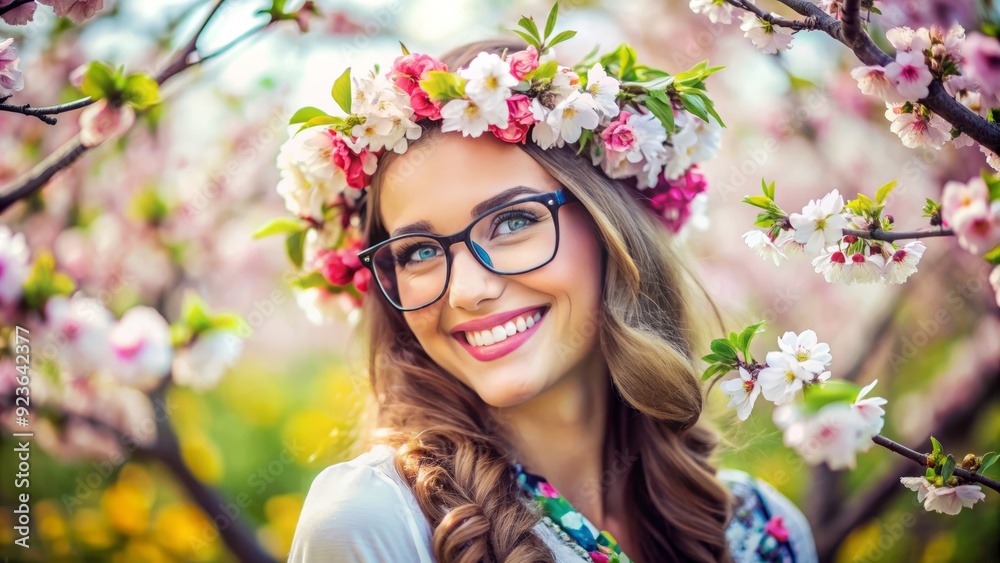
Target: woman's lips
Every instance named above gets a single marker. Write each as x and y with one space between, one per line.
502 348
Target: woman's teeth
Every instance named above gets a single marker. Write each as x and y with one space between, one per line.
501 332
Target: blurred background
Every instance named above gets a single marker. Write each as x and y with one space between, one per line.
171 208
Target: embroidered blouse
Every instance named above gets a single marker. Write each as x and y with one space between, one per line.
362 510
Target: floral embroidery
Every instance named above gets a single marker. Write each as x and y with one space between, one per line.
753 535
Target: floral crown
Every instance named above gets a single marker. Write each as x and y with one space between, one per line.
638 124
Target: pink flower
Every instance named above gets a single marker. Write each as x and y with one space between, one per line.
672 199
872 81
523 62
20 15
519 120
951 500
599 557
905 39
978 226
358 168
619 136
982 61
548 490
957 196
339 266
407 72
910 74
76 10
11 79
776 528
361 280
917 130
102 121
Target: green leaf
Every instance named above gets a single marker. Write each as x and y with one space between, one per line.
342 90
620 62
993 256
832 391
724 348
746 336
562 36
528 39
768 189
404 49
948 468
99 81
936 446
303 115
992 184
443 85
44 282
279 226
544 71
929 473
658 104
988 460
310 280
294 247
884 191
194 312
760 201
866 202
715 370
715 359
550 22
695 105
141 91
529 26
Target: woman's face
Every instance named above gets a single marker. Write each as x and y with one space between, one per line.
440 181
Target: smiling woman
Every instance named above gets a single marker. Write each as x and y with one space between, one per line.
535 319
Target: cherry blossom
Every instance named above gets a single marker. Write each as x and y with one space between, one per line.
782 379
309 177
820 224
742 391
873 81
833 435
762 244
982 62
489 82
203 364
910 74
79 327
943 499
903 263
604 91
765 36
76 10
870 409
19 15
812 355
471 119
141 348
906 39
14 266
102 121
11 79
831 264
918 130
717 11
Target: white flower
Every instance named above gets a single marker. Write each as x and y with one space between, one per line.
11 78
870 410
811 355
766 37
833 435
203 364
368 92
787 245
322 307
14 268
762 244
469 118
862 269
742 392
782 378
910 74
488 81
141 348
820 224
951 500
903 263
906 39
79 327
831 264
872 81
604 90
995 282
574 114
718 11
918 131
919 484
309 177
991 158
541 132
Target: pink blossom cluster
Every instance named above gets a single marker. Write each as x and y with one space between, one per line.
966 208
76 10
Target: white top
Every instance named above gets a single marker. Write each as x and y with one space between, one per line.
363 511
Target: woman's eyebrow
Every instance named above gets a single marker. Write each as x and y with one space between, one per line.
479 209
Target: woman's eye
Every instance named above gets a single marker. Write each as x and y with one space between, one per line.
508 226
424 253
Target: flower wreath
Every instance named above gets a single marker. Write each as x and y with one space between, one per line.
638 124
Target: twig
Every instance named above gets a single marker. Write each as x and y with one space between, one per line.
44 113
12 5
920 458
808 23
891 236
38 176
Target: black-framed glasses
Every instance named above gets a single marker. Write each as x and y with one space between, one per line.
413 270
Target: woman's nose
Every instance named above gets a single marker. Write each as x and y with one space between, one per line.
471 283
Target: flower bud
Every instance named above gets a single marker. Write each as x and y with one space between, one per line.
890 219
850 239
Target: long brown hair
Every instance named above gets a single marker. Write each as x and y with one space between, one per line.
447 446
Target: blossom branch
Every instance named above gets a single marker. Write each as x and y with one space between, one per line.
808 23
44 113
892 236
920 458
850 33
14 5
38 176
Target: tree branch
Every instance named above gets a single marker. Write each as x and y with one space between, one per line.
891 236
12 5
38 176
43 113
808 23
920 458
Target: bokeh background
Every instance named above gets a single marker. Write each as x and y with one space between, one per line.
171 208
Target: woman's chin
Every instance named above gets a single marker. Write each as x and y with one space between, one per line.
499 392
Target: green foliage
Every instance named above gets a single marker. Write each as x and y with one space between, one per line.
303 115
443 85
197 318
882 193
988 460
45 282
137 89
294 246
544 72
725 351
279 226
531 35
341 90
100 81
833 391
658 104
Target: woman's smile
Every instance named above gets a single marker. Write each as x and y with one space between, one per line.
498 335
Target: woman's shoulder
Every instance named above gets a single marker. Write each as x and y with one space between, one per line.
766 526
361 510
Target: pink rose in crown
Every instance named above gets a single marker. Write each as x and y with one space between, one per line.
358 168
523 62
407 72
548 490
776 528
339 266
619 136
361 279
520 120
671 199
